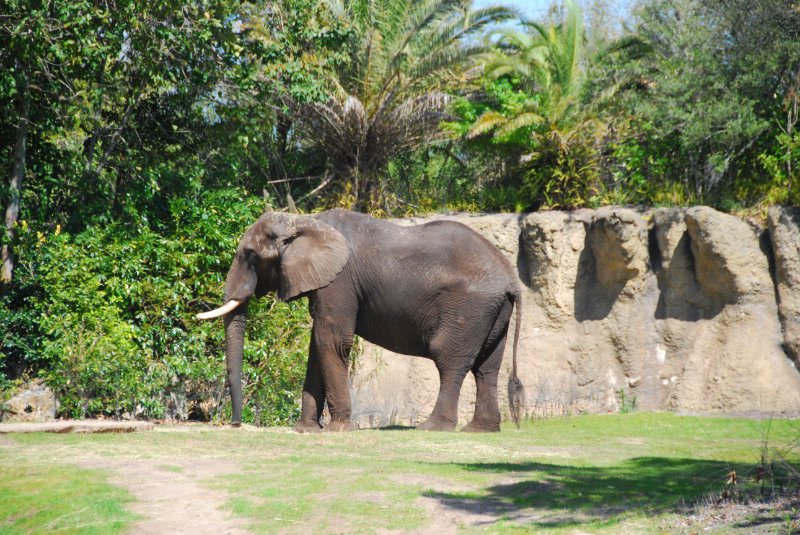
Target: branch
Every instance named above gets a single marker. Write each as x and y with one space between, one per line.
316 190
113 141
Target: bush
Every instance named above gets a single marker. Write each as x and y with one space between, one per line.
112 312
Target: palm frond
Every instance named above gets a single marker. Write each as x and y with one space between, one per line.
355 141
570 48
632 46
435 64
522 120
383 101
488 121
412 123
495 13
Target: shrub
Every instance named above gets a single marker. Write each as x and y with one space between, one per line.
113 311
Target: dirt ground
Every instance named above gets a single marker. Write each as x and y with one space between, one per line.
169 498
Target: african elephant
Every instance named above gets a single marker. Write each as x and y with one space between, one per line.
437 290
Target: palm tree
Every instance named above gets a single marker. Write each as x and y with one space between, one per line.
548 60
404 55
563 115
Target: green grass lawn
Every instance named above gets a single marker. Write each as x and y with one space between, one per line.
52 498
633 473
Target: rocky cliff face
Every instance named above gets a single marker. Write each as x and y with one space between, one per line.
676 309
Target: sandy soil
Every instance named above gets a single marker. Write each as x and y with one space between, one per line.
77 426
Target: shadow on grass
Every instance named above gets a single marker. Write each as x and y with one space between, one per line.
547 495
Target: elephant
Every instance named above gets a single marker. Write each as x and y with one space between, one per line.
437 290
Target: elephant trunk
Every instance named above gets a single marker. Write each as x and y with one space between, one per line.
234 348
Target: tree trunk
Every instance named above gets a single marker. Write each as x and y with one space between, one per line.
17 177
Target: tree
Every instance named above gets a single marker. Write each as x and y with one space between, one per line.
290 47
722 75
391 94
80 82
547 62
548 59
16 182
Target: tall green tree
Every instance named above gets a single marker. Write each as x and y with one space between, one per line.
722 78
391 94
547 62
290 47
85 86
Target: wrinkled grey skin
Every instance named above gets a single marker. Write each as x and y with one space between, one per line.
437 290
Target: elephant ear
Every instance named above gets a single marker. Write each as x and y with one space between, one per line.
311 259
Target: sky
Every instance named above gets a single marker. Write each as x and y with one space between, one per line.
535 9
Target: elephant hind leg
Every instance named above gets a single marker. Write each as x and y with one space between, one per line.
471 345
487 411
486 371
452 352
445 413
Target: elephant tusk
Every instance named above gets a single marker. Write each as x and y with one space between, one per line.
221 311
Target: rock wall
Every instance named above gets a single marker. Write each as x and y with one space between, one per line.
674 309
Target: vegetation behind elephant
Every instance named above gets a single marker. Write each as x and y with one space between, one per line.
437 290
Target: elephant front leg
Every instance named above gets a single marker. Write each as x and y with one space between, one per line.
313 399
334 346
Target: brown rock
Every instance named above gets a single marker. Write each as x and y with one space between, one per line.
784 228
729 263
36 403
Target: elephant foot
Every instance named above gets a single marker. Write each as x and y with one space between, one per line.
436 424
339 426
307 427
481 427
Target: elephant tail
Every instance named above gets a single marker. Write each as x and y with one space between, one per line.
516 392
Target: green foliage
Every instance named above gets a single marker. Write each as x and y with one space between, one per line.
114 308
717 97
538 109
388 98
291 47
627 403
275 355
121 68
781 166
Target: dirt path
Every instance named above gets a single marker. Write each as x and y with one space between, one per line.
170 497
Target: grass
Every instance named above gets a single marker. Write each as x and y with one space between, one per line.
633 472
46 498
